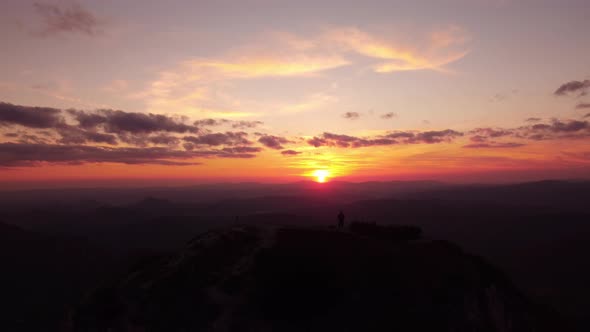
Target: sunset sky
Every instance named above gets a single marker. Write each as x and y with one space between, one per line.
215 91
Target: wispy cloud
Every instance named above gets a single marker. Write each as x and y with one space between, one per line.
201 85
290 153
70 19
351 115
442 47
273 142
579 88
391 138
389 115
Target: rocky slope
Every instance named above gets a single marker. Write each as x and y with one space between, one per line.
311 279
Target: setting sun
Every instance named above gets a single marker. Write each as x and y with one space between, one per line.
321 175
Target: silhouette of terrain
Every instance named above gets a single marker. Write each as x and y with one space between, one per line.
43 275
250 278
58 244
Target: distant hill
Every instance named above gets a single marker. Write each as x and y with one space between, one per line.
247 278
41 276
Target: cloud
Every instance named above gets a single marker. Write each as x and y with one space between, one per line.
351 115
120 121
84 134
443 47
243 149
267 66
23 136
573 87
72 19
27 155
484 134
163 139
201 84
75 135
392 138
389 115
493 145
246 124
434 136
582 106
554 129
532 119
242 124
210 122
273 142
290 152
26 116
12 154
215 139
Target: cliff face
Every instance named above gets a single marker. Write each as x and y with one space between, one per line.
307 279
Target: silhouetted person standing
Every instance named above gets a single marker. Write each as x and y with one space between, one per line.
340 219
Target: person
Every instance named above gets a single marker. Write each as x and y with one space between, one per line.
340 219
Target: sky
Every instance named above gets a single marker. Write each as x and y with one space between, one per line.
278 91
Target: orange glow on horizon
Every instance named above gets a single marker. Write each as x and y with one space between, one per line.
321 175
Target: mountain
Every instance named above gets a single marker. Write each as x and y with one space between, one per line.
255 278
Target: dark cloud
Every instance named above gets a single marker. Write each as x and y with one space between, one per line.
163 139
273 142
211 122
73 19
12 154
75 135
569 126
587 115
27 116
532 119
317 141
392 138
243 149
574 87
290 152
389 115
61 142
26 138
234 124
555 129
491 132
26 154
351 115
120 121
237 155
481 135
434 136
582 106
215 139
493 145
87 120
246 124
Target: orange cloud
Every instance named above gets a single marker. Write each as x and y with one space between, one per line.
201 85
443 47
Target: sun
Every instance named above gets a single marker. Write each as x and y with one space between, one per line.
321 175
